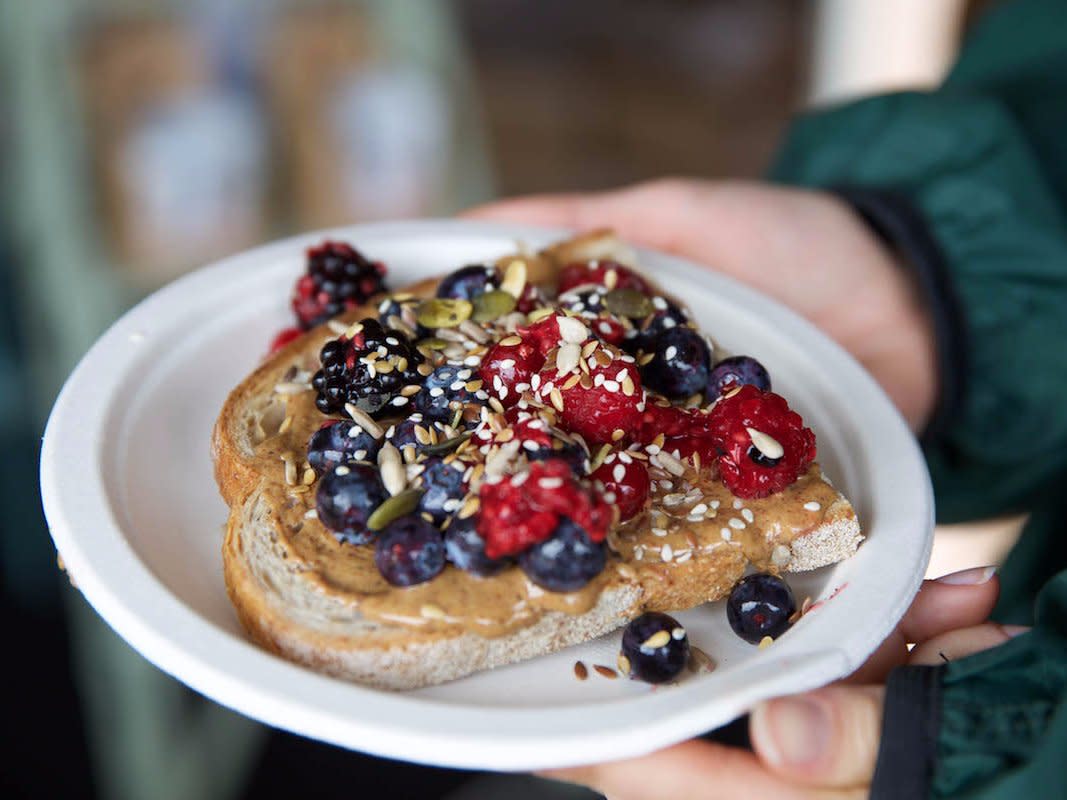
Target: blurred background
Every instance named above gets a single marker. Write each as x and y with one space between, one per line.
139 140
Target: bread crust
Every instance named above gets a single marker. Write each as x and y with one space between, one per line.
288 612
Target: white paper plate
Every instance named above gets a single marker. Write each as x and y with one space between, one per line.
126 477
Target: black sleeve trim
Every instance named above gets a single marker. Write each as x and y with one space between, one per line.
910 725
892 216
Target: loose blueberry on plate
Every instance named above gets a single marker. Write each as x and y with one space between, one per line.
409 551
465 548
345 499
565 561
443 487
760 605
737 371
655 648
680 364
467 283
339 442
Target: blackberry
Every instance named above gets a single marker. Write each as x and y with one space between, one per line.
338 278
368 371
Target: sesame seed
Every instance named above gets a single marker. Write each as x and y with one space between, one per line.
812 506
736 523
726 534
670 352
666 553
611 386
341 470
616 434
619 473
507 363
748 515
698 509
550 483
738 503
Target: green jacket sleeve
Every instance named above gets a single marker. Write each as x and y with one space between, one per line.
983 162
963 162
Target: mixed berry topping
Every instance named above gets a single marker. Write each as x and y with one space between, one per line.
525 509
655 648
489 428
737 371
760 605
764 446
338 278
367 368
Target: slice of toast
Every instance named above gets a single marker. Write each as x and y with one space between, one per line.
304 595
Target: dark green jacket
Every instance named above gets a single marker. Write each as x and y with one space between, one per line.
983 162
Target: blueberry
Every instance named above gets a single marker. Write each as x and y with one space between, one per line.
680 366
398 312
340 442
739 371
646 333
467 283
571 452
566 561
444 392
465 548
760 605
656 647
585 300
443 488
403 434
346 497
409 550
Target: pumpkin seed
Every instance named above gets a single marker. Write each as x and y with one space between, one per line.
446 446
491 305
628 303
443 312
394 508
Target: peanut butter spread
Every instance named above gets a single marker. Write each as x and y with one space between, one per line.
694 527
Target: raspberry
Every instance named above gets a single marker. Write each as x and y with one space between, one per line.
525 509
598 405
338 278
625 483
581 273
285 335
755 465
506 369
545 333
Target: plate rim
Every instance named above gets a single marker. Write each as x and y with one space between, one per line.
546 741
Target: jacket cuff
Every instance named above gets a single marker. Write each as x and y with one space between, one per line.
910 726
895 220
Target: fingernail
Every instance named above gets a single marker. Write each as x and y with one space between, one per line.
975 576
799 729
1015 630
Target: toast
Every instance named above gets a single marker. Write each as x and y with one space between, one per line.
310 596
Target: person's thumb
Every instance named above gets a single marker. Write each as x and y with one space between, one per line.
826 738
